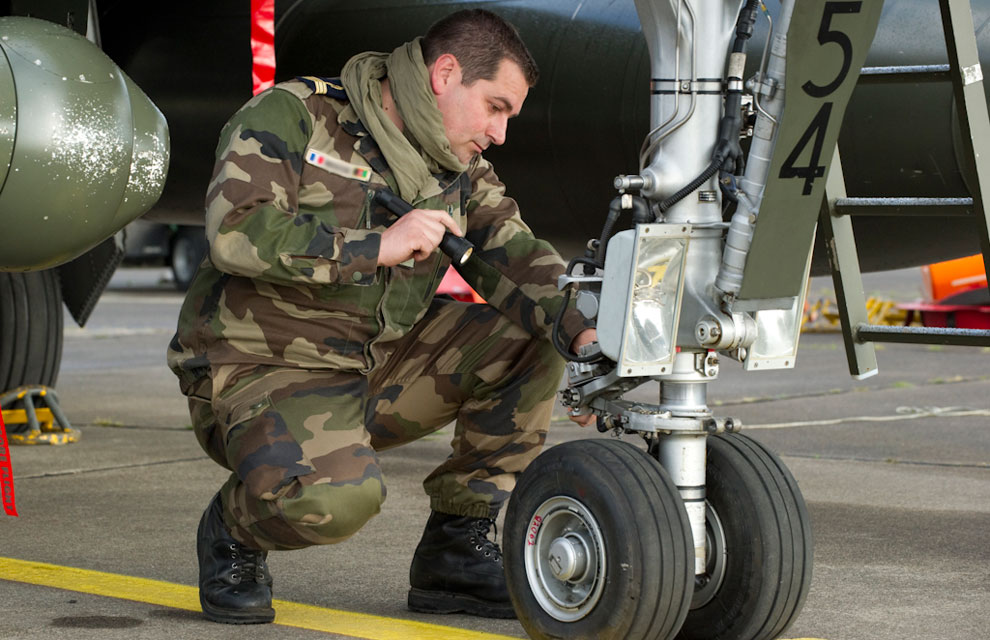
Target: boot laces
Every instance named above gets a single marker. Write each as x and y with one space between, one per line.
249 562
481 540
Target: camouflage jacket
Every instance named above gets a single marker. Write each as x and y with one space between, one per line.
291 278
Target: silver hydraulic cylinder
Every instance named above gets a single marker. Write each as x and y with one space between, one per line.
768 91
683 454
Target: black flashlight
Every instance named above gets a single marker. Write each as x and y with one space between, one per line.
459 249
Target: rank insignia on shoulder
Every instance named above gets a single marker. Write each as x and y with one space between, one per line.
338 166
325 86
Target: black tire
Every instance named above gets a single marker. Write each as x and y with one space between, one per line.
30 329
188 248
615 504
760 545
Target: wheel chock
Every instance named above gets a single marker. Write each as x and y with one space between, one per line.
32 416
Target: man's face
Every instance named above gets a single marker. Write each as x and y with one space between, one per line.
476 115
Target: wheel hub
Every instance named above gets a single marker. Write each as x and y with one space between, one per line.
565 559
569 557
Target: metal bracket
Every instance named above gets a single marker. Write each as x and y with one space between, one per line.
649 418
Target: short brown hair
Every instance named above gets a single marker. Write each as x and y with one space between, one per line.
480 40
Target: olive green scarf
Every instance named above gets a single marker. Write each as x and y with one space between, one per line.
425 150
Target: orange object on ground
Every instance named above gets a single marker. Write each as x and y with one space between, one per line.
957 295
952 277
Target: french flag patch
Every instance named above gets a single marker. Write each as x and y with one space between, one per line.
337 166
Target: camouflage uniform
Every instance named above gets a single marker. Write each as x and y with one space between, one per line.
301 357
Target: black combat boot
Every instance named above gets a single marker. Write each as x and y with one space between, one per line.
456 568
234 584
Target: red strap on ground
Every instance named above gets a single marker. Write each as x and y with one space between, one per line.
6 474
262 44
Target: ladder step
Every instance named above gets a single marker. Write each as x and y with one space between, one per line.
905 74
922 335
904 206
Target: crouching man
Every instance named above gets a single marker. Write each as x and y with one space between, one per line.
310 338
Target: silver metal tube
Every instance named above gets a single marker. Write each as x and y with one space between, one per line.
688 396
689 47
740 235
683 456
655 136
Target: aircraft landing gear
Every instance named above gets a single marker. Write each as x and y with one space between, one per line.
598 545
706 536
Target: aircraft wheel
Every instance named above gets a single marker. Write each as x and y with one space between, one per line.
30 328
188 249
597 545
759 545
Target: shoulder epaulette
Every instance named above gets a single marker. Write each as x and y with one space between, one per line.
324 86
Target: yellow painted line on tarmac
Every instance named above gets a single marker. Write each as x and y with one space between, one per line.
178 596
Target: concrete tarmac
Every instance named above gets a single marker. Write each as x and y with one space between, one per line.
895 470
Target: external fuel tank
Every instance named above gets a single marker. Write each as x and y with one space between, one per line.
83 151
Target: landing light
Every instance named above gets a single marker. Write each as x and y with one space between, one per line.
641 297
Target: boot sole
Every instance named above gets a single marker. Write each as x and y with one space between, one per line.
445 602
235 616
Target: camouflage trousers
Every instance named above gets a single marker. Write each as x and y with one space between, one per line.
301 444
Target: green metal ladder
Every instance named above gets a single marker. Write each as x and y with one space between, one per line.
835 222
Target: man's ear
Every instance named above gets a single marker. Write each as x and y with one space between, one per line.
444 72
